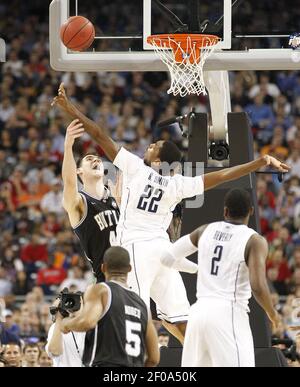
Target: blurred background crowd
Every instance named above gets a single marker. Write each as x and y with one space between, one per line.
39 254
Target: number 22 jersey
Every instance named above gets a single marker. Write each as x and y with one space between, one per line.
148 199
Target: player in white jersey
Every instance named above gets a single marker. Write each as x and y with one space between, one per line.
231 262
148 199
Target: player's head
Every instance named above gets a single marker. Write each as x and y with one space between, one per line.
90 167
116 262
162 152
237 206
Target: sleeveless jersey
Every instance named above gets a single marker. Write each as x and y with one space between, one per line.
223 272
148 199
97 229
119 338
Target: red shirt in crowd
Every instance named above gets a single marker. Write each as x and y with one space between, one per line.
33 253
284 272
51 276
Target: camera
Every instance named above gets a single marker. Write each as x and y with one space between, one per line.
290 352
69 303
219 150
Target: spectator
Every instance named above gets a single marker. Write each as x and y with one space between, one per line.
33 253
163 338
278 271
262 118
45 361
75 278
264 87
22 284
5 284
12 355
52 201
31 355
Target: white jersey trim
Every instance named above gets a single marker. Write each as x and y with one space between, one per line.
94 346
85 211
109 299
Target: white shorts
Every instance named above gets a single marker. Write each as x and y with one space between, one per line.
150 279
218 335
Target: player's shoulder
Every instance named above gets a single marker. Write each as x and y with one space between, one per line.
257 242
96 290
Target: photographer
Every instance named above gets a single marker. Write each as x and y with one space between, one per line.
65 350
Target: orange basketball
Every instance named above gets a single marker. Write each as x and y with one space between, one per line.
77 33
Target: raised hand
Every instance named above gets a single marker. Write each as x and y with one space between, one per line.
61 100
74 130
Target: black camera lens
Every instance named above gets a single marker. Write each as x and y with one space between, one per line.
220 154
69 303
219 150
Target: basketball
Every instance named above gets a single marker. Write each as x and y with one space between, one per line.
77 33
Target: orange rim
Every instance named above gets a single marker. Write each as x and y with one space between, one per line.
187 42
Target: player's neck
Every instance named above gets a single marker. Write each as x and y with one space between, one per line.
95 190
121 279
237 222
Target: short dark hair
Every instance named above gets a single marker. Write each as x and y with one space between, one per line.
238 202
117 259
170 153
31 345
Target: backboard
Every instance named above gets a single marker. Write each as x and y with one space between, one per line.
254 36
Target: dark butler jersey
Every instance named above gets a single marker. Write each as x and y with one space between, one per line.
119 339
97 229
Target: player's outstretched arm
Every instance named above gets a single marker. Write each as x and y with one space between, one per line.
256 255
96 132
153 355
175 256
212 180
95 299
72 200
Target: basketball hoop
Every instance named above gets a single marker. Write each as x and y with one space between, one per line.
185 56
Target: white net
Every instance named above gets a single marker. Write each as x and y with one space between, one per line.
185 61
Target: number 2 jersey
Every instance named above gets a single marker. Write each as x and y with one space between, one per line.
119 339
223 272
97 229
148 199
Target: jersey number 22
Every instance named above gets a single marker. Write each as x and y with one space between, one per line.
150 199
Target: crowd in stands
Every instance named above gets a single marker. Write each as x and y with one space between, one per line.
39 254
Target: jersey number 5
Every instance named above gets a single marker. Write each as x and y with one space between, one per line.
214 265
150 199
133 345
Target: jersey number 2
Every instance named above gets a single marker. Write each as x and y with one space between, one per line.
133 345
150 198
214 265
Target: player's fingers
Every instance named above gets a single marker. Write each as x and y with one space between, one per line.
75 132
74 123
54 101
78 135
285 167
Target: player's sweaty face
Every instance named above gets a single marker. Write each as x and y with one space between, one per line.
92 163
152 153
